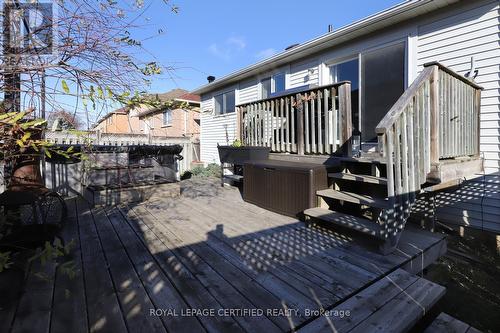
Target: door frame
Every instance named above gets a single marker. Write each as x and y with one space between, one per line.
359 56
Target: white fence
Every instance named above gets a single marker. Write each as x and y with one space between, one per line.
190 149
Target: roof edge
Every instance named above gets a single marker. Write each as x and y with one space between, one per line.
395 10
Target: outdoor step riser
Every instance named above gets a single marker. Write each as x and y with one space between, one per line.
356 178
345 220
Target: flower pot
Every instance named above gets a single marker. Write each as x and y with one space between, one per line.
239 155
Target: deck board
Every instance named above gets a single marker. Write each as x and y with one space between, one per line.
69 313
448 324
208 249
212 280
103 310
134 298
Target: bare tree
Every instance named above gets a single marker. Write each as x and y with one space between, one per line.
92 64
88 63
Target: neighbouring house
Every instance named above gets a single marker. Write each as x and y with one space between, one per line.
419 81
117 121
179 119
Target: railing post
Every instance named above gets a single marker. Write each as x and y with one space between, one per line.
477 115
434 100
239 125
299 106
345 117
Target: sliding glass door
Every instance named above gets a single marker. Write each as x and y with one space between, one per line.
382 83
349 71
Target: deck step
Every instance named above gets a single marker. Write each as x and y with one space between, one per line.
358 178
236 178
392 304
352 222
402 312
449 324
356 198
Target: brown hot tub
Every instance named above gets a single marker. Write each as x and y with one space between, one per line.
284 187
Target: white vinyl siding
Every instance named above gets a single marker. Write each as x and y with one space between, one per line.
207 103
248 92
216 130
450 35
471 31
304 73
452 40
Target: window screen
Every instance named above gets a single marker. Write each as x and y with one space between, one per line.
266 87
382 77
167 117
219 103
229 102
225 103
279 82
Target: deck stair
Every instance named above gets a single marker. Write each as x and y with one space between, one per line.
429 136
362 192
449 324
361 178
380 187
373 309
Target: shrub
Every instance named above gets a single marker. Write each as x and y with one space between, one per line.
212 170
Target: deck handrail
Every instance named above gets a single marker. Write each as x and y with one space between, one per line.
437 117
398 108
313 121
294 93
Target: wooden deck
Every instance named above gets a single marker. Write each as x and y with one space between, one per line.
207 261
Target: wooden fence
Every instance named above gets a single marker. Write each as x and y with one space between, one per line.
315 121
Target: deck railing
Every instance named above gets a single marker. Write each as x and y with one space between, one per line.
436 117
316 121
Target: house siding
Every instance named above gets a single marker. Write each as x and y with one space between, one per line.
248 92
302 73
473 31
452 39
451 35
215 130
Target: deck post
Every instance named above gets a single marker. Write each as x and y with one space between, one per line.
345 114
477 115
239 125
299 106
434 115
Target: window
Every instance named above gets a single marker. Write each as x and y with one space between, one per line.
266 87
349 71
225 103
346 71
273 84
148 124
278 82
167 117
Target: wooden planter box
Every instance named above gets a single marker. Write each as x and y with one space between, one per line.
239 155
